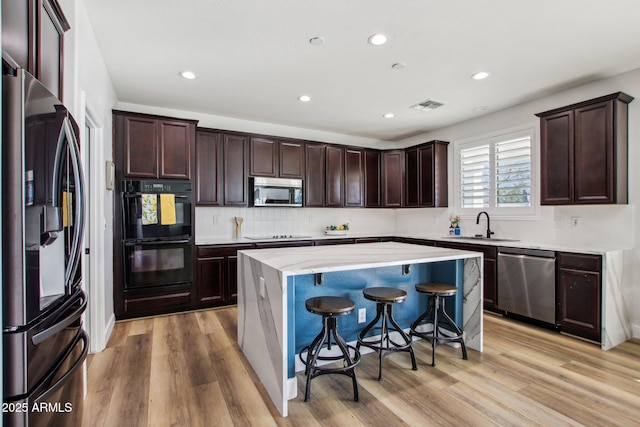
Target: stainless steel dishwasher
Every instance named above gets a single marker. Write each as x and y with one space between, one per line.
527 283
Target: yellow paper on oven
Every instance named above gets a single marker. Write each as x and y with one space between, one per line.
167 209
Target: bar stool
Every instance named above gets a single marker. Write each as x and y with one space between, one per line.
384 299
437 292
329 308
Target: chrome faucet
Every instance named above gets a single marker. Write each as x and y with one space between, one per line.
489 232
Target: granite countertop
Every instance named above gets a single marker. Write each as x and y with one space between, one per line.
322 259
426 236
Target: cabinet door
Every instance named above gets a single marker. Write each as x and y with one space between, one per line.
231 291
18 48
579 302
208 168
556 159
372 184
426 184
49 47
235 170
264 156
211 279
140 147
334 177
314 175
393 178
594 154
175 149
354 178
413 177
291 159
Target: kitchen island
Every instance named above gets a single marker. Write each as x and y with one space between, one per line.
273 284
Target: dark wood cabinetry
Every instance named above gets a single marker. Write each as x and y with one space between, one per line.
579 292
354 178
235 169
153 147
291 155
426 175
33 39
274 158
314 179
372 182
217 281
393 178
583 152
490 267
334 176
208 168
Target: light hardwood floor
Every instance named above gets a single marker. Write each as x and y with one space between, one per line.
187 370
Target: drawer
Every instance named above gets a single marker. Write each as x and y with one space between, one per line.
580 261
221 250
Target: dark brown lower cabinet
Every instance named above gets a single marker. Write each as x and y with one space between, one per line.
217 279
579 291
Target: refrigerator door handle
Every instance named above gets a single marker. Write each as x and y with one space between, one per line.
82 335
41 336
78 229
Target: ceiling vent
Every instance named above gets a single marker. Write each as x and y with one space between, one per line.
427 105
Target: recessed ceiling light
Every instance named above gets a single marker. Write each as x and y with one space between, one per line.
480 75
388 115
398 66
304 98
378 39
480 109
316 41
188 75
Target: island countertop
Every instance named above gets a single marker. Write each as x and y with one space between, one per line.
273 284
322 259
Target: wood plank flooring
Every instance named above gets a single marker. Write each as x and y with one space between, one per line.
187 370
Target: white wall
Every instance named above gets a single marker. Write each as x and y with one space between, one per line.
87 85
612 226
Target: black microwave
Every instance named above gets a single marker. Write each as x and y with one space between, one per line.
275 192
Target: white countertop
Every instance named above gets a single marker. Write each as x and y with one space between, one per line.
322 259
426 236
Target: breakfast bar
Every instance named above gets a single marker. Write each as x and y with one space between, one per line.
273 285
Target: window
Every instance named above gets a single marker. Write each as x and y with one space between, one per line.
496 174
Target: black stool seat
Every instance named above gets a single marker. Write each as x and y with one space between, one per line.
329 307
385 298
437 292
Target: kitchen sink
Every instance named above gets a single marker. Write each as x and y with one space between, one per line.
481 238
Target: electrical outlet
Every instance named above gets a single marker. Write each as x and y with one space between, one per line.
362 315
215 219
575 221
558 222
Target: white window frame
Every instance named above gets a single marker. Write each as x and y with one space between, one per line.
525 212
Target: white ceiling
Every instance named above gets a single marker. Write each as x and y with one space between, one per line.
253 58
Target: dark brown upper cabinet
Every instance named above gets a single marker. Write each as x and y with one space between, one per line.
235 169
583 152
393 178
33 39
372 184
314 178
426 175
334 176
152 146
354 178
208 168
275 158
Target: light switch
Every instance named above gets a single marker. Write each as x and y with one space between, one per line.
262 288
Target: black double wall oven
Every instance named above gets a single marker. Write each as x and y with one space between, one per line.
157 236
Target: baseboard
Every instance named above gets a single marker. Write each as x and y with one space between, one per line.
635 331
109 329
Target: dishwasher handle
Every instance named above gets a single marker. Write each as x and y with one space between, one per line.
529 252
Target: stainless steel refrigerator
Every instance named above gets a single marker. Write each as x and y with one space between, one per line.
44 343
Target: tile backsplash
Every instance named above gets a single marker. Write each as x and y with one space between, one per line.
219 223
